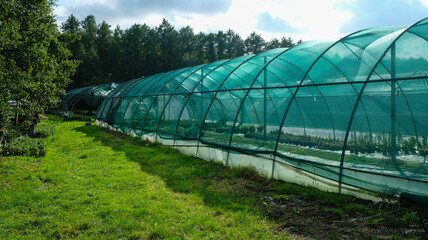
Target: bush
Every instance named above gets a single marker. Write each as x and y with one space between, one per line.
44 130
25 146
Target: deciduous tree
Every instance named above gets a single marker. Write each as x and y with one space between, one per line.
34 62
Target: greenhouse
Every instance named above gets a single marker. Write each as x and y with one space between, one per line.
348 116
86 98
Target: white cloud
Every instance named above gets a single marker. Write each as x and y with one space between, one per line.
305 19
317 19
424 2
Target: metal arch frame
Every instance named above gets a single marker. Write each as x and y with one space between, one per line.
285 86
410 110
150 107
297 102
81 95
109 98
218 83
344 75
349 83
263 69
405 96
125 91
192 92
295 93
322 96
399 85
254 108
215 94
359 98
352 84
173 94
141 98
77 99
117 97
124 88
62 105
100 109
72 97
144 82
233 96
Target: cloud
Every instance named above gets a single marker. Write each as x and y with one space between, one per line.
266 23
121 11
369 13
298 19
204 7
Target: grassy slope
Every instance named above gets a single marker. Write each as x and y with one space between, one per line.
94 185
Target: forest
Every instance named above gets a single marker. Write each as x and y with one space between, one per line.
118 55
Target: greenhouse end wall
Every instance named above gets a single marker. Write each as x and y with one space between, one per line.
86 98
347 116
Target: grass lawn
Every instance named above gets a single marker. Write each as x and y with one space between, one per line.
94 184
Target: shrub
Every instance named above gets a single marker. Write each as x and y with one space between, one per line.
25 146
44 130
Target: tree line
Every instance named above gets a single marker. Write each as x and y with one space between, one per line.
118 55
39 60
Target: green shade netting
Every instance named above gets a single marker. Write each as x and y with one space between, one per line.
352 110
86 98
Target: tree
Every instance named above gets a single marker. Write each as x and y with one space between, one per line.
234 45
200 47
210 47
287 42
140 44
71 25
187 47
168 37
140 50
254 43
34 62
221 44
89 70
274 43
104 44
72 29
117 53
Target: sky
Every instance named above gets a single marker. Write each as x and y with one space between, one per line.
299 19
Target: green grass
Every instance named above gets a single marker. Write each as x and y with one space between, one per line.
92 185
99 184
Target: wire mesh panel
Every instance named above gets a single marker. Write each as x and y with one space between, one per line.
350 113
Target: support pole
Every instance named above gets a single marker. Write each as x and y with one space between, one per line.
393 106
202 87
265 102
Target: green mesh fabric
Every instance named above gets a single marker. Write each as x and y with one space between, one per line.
353 110
86 98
